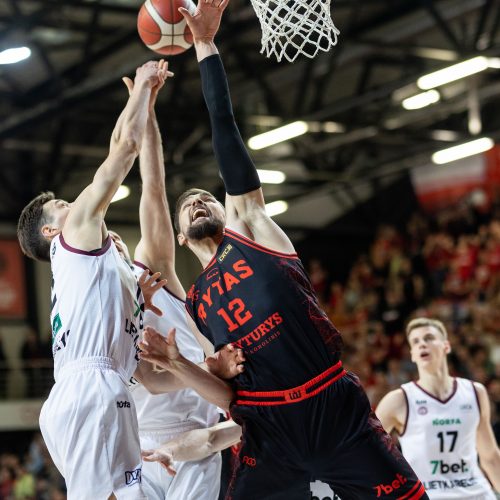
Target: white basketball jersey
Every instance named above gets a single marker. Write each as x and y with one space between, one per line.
439 442
96 306
174 409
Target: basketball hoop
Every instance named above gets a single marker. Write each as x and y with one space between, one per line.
294 27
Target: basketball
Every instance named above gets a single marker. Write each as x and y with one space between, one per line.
162 27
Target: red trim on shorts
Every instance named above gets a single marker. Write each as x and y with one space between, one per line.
294 395
415 493
250 243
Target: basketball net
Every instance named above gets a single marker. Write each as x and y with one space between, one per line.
294 27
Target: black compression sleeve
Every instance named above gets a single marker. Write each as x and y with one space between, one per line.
236 167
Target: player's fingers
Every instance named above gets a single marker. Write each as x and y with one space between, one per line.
156 310
169 469
240 357
159 284
223 4
229 347
187 15
171 337
129 83
143 277
240 368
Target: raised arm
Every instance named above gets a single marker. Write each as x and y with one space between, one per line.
156 248
195 445
83 227
245 206
391 411
487 448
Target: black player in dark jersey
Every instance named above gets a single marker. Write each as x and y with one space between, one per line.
303 416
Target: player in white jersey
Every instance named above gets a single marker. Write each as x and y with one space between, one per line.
443 422
89 422
163 417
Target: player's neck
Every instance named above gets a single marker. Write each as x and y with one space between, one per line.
437 382
205 249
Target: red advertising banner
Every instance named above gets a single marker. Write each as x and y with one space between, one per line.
12 281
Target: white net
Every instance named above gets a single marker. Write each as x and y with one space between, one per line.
294 27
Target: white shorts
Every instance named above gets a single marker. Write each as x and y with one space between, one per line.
198 480
89 425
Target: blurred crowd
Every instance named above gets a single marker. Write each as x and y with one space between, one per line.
31 475
446 267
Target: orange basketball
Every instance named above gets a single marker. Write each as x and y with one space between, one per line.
162 27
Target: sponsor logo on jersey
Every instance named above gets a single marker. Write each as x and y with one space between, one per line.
60 343
261 331
446 421
133 477
449 484
387 489
212 273
56 325
421 402
422 410
225 283
122 404
54 247
131 329
250 461
224 252
441 467
466 407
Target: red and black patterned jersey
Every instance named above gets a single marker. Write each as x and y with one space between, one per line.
263 302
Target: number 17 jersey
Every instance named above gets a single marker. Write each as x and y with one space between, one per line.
263 302
439 442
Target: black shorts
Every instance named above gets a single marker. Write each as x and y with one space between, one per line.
333 437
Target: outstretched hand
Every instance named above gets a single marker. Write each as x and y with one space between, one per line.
227 362
149 286
162 74
205 21
159 350
161 455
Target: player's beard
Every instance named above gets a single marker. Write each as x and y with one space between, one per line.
207 229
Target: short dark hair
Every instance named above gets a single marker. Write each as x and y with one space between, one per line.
180 201
31 220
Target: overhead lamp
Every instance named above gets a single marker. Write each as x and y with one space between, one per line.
271 176
14 55
277 135
463 150
421 100
494 62
276 207
453 72
121 193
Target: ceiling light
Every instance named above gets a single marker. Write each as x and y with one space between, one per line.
276 207
454 72
463 150
122 192
277 135
421 100
14 55
494 62
271 176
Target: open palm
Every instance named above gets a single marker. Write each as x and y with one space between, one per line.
205 21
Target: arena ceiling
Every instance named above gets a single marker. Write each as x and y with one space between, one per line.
58 107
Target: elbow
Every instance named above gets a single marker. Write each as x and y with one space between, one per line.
128 143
